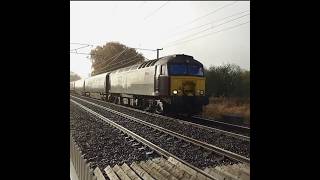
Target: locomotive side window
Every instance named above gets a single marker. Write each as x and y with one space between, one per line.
164 69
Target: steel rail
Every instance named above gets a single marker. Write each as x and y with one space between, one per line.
236 135
224 123
205 145
142 140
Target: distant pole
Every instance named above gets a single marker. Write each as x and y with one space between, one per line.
158 52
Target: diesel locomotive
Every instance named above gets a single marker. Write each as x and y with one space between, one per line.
171 84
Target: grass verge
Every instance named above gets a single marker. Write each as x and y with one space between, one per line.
220 106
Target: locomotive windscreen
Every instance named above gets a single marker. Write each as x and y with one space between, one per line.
185 69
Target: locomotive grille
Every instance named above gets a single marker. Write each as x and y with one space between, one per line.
186 85
188 88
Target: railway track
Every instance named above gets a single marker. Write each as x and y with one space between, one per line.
133 161
150 130
130 136
236 143
229 127
232 129
99 142
223 166
182 120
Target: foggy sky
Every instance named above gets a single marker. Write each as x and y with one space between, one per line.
143 25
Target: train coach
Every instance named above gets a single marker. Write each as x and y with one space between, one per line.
173 83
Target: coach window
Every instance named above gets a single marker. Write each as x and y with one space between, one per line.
164 69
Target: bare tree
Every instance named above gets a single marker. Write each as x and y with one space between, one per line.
227 80
112 56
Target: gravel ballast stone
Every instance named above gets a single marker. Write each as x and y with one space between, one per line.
104 145
191 153
216 138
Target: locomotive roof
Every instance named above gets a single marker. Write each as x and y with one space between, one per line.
176 58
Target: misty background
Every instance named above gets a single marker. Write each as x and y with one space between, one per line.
213 32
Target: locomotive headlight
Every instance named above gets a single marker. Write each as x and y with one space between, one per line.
201 92
175 92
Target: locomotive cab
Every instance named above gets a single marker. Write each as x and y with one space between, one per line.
182 78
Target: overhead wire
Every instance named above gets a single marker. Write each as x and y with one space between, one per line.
108 62
210 28
118 66
231 27
103 45
79 48
194 20
104 60
210 13
124 60
217 20
81 44
150 14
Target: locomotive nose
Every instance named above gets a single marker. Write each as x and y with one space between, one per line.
188 88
